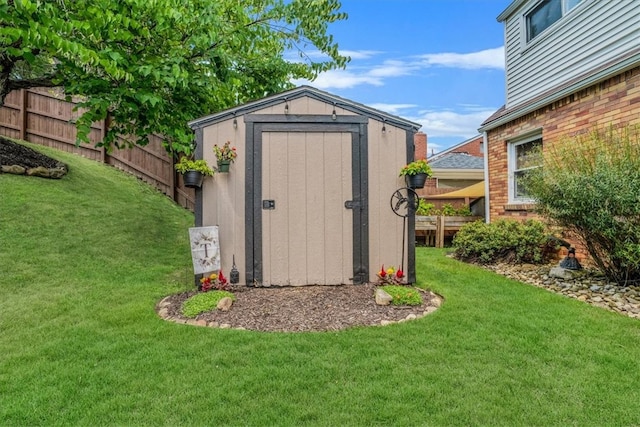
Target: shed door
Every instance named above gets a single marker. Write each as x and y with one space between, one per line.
307 232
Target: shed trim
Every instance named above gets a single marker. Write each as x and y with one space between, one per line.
300 92
253 188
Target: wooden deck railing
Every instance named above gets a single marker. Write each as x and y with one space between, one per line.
434 228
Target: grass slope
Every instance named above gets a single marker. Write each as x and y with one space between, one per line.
83 261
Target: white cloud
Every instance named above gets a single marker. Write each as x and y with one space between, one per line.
394 109
360 54
462 124
340 79
488 58
392 69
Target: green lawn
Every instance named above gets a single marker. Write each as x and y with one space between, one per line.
84 260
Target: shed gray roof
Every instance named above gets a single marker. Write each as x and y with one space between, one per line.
300 92
457 161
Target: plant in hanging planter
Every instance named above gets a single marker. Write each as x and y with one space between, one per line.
416 173
225 155
193 171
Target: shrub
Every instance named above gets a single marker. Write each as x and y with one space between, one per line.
502 241
426 209
403 295
202 302
589 185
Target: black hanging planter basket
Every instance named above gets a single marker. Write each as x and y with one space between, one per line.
193 179
416 181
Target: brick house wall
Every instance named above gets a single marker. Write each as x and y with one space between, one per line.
614 101
473 147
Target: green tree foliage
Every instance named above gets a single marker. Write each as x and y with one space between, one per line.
590 185
153 65
502 241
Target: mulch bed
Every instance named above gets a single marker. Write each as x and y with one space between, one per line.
15 154
304 308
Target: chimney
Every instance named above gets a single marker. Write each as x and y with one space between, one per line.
420 145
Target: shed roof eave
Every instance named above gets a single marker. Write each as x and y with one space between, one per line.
298 93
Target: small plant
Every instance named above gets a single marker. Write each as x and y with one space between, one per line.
203 302
226 153
424 208
403 295
415 168
214 281
186 164
390 275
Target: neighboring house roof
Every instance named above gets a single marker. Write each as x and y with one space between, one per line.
457 161
453 148
300 92
504 115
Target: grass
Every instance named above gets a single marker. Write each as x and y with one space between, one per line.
84 260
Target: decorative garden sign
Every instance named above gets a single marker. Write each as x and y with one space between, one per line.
205 249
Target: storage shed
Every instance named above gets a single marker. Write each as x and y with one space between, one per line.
307 201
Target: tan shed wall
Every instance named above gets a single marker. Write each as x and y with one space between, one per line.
387 155
223 195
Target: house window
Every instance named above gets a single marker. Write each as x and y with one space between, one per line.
524 156
545 14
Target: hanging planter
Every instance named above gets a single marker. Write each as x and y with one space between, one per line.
223 165
193 179
193 171
417 180
416 173
225 155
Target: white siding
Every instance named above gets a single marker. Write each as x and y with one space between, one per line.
593 34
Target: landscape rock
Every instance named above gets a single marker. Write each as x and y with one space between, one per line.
561 273
383 298
14 169
225 304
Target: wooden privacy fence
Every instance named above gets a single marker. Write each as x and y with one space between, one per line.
434 228
43 117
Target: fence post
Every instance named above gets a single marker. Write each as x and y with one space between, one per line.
24 98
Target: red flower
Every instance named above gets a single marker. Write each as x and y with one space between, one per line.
382 273
221 278
399 274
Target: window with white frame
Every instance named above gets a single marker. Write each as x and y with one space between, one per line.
524 155
545 14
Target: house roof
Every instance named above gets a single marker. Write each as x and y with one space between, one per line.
300 92
505 114
457 161
453 148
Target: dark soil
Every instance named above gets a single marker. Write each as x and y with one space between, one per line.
12 154
304 308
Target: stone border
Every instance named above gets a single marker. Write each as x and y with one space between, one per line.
163 312
54 173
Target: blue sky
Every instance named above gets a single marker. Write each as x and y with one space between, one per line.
439 63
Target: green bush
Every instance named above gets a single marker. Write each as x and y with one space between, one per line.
202 302
426 209
502 241
403 295
590 186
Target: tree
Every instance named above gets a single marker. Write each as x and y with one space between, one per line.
590 186
153 65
